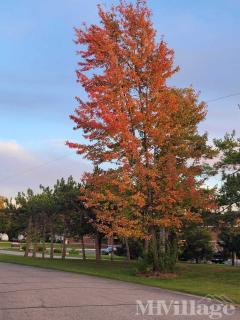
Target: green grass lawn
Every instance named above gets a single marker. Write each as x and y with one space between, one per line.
5 244
89 256
199 279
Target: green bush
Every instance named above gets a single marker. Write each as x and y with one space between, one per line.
74 251
57 250
144 264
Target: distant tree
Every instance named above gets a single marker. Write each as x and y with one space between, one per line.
4 218
8 223
73 218
197 244
135 248
2 202
229 148
65 194
81 224
49 218
43 215
47 214
229 240
229 166
24 213
228 218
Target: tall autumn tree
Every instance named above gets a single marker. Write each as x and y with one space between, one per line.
134 119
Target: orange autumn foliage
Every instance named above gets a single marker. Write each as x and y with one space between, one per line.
114 205
135 120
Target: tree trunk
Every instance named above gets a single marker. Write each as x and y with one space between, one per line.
127 249
112 245
146 246
26 252
35 242
28 238
43 249
44 241
162 240
233 258
64 247
83 248
156 266
52 245
35 249
163 252
98 246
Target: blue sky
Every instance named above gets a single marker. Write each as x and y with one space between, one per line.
37 79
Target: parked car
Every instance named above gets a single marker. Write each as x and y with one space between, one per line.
108 250
217 258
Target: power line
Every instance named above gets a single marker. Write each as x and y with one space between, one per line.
33 168
224 97
62 157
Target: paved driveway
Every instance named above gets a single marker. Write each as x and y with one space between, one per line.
28 293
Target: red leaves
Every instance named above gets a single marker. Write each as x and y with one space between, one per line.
133 118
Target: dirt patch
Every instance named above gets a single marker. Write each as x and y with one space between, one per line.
158 275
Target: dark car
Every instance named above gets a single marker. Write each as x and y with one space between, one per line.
217 258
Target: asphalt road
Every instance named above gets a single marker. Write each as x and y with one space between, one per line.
28 293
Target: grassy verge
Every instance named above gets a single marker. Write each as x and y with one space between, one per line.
196 279
75 255
5 244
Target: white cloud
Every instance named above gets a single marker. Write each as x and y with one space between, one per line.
12 148
22 168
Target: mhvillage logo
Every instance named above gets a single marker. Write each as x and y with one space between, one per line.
213 306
